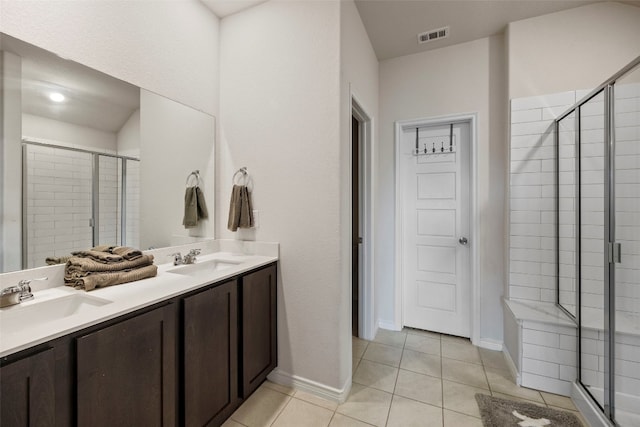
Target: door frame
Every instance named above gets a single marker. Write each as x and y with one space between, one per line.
400 126
366 308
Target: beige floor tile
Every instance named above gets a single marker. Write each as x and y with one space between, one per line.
316 400
464 372
355 364
558 401
394 338
453 338
500 381
409 413
383 353
300 413
277 387
376 375
262 408
423 344
461 398
412 331
232 423
340 420
419 387
493 359
455 419
358 346
367 404
464 351
420 362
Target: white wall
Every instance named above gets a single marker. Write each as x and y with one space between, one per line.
280 92
10 128
359 78
129 136
465 78
174 141
574 49
43 129
168 47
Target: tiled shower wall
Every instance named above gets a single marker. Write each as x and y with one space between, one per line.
532 236
58 202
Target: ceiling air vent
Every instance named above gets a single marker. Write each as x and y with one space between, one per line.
432 35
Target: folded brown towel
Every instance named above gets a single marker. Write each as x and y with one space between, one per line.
57 260
80 267
126 252
101 280
103 248
240 209
104 257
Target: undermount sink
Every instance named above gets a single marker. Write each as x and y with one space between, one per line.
21 316
204 268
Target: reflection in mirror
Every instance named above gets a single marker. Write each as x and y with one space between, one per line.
567 233
85 156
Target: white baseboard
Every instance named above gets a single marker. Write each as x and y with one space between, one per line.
511 365
313 387
491 344
391 326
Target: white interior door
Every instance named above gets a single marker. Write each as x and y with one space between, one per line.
435 206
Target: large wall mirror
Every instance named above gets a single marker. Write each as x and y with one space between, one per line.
88 159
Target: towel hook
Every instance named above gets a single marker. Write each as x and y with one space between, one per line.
196 174
244 175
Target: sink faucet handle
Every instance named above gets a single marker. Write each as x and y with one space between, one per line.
26 282
177 258
195 251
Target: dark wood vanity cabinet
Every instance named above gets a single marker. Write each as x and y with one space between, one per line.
27 390
188 361
210 355
126 372
259 327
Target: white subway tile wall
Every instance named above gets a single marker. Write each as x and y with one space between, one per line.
58 202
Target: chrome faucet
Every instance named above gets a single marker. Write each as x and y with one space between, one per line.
17 293
189 258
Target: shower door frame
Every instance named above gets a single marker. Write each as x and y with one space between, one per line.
611 251
95 192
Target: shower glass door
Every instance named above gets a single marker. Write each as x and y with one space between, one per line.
626 286
593 299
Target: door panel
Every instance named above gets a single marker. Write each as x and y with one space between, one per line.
435 214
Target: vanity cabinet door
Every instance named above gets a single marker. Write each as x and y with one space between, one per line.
259 327
126 373
211 355
27 389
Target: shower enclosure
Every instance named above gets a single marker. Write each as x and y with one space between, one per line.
75 199
598 242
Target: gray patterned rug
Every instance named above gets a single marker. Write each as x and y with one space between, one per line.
498 412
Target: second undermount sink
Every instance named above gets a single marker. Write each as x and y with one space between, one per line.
204 269
33 313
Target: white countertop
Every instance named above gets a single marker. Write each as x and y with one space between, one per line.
122 299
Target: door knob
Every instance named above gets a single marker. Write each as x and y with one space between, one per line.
463 241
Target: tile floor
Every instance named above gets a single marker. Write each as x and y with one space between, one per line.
408 378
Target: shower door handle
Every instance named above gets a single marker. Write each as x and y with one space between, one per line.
463 241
